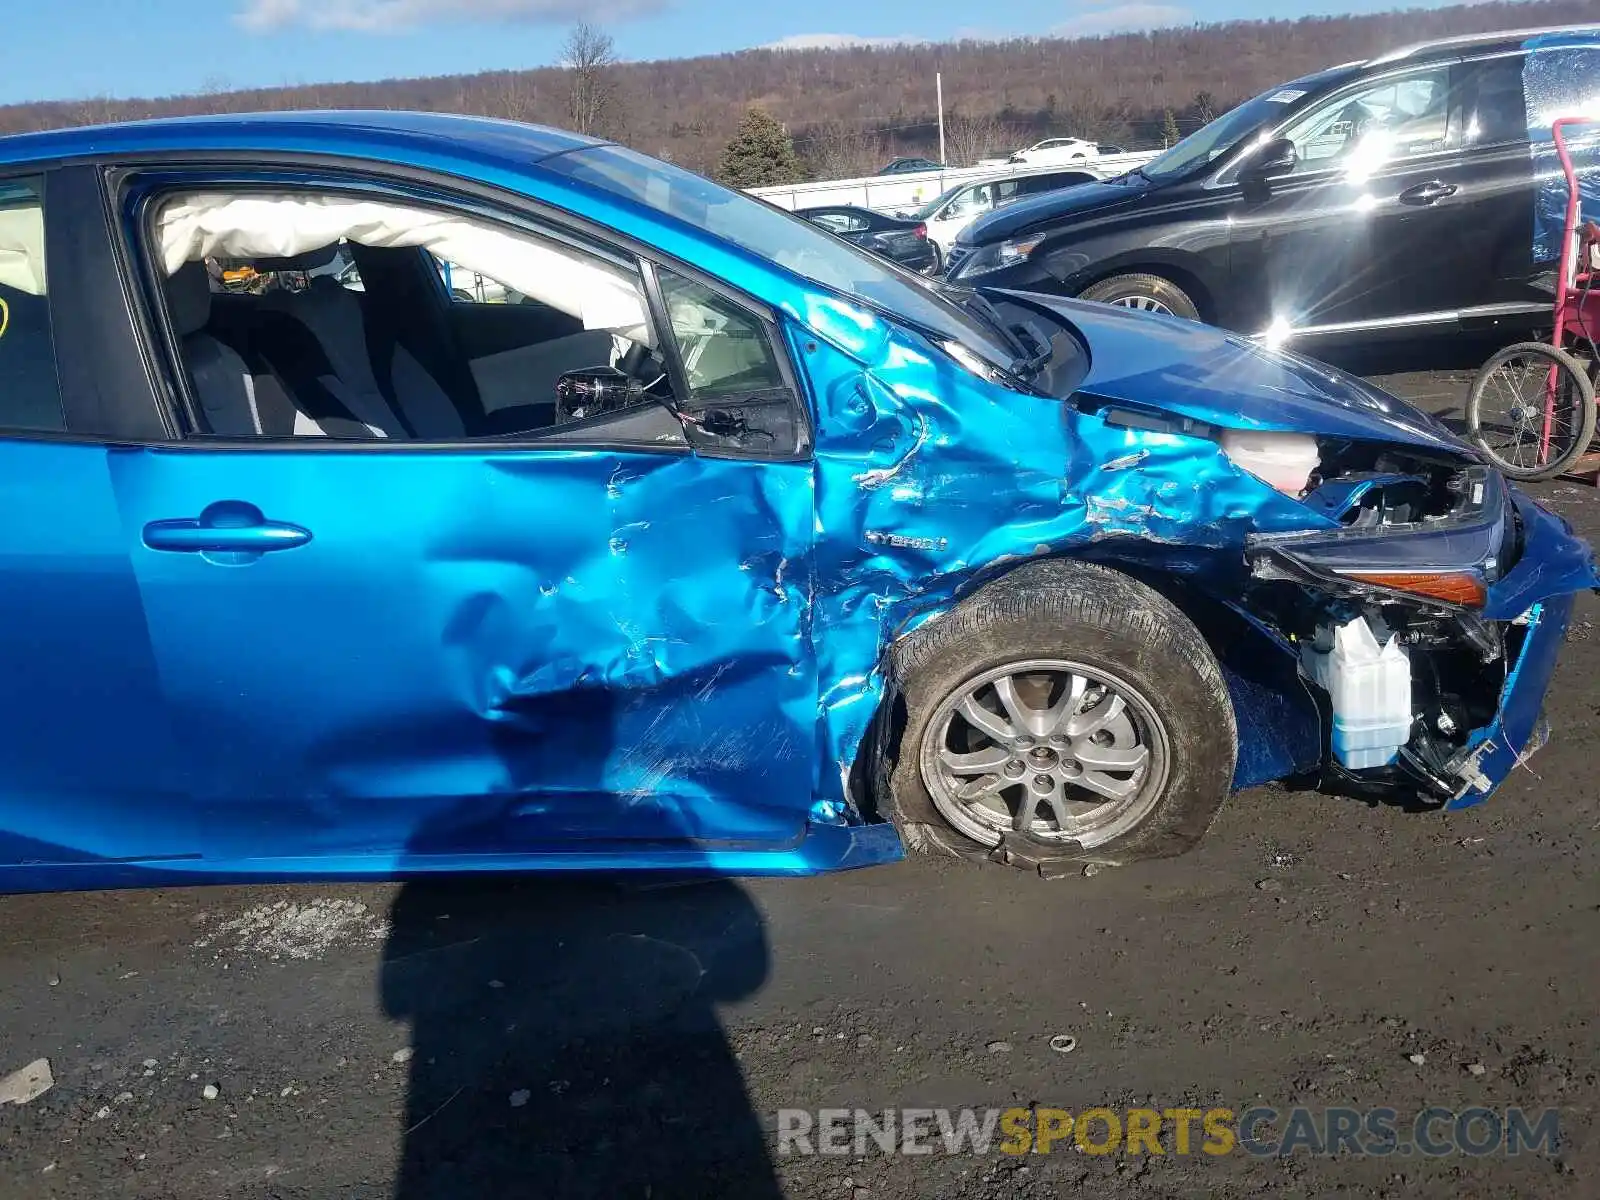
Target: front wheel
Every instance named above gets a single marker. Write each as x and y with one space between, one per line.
1144 292
1065 712
1531 410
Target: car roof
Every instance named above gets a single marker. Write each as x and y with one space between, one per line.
1502 39
403 137
505 153
1020 171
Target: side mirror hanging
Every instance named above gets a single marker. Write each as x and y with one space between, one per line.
594 390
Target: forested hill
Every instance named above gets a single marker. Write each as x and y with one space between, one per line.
849 109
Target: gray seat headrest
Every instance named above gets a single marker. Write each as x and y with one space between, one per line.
189 298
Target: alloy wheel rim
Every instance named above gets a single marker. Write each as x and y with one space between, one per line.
1051 748
1142 304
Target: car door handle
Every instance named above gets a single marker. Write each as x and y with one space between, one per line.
1427 193
229 528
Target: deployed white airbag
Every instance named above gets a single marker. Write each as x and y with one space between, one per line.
22 248
269 225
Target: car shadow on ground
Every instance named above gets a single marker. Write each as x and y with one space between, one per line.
565 1039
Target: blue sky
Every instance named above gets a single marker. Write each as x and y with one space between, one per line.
61 49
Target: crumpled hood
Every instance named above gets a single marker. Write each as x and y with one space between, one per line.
1211 375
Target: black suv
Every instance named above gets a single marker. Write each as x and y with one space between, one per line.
1391 196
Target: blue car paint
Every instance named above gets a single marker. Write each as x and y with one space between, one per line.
1221 378
1515 730
486 658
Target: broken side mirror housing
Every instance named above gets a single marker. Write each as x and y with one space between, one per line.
591 391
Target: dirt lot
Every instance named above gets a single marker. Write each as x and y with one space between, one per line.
574 1039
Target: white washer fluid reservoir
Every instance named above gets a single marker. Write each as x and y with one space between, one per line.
1367 674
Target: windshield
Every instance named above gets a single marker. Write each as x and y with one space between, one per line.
932 206
786 239
1212 141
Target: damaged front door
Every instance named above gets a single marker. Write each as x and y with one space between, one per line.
479 651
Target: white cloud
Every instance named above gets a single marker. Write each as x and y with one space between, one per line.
837 41
399 16
1122 18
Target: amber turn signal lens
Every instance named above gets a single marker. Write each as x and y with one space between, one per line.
1453 587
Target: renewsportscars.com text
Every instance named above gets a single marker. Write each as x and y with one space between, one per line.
1259 1131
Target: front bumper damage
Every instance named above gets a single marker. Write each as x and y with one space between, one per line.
1479 671
1519 728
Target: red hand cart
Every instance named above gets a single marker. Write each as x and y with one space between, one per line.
1532 406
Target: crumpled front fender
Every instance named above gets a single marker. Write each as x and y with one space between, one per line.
930 481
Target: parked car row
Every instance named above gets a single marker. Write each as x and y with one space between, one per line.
922 238
1391 197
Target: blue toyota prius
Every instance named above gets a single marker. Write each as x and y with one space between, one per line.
393 493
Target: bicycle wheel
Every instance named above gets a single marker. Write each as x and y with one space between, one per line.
1531 410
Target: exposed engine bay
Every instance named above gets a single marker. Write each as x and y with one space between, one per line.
1385 613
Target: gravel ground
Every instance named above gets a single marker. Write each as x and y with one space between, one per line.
529 1039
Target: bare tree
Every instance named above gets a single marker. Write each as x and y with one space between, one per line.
1115 88
589 55
96 110
510 94
839 150
969 138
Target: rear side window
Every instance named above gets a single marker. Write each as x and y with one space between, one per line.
1562 81
1494 110
1034 184
842 222
30 397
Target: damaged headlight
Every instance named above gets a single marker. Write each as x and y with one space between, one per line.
999 255
1454 539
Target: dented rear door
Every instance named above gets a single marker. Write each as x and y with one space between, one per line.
480 650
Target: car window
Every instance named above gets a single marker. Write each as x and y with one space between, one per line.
740 399
1562 81
725 349
467 286
838 222
1236 126
304 345
1495 110
791 242
1398 117
973 202
30 397
1035 184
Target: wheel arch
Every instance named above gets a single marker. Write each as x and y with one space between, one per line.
1179 271
1265 689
